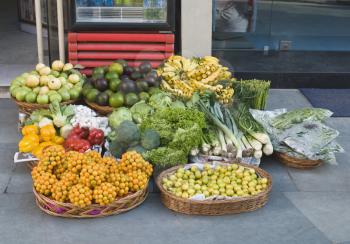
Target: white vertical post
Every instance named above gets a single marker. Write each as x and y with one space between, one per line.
39 31
60 22
196 27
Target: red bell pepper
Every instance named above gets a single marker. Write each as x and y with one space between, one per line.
96 136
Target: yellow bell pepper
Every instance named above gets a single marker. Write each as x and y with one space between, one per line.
28 143
47 132
30 129
58 140
38 150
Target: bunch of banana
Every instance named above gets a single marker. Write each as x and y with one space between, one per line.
176 67
183 77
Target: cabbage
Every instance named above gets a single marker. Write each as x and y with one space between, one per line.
118 116
140 111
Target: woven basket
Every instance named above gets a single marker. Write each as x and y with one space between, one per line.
102 110
296 162
68 210
28 108
214 207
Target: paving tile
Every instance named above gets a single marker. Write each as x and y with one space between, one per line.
7 103
324 178
328 211
153 223
6 165
281 181
286 98
21 180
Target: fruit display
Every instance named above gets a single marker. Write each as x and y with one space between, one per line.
214 181
86 178
120 85
43 85
183 77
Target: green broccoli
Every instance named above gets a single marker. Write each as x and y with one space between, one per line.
150 139
127 133
164 156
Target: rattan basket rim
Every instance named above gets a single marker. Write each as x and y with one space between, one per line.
37 194
99 108
216 201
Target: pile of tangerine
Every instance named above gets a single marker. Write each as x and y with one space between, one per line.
86 178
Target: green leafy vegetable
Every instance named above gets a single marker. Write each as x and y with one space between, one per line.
165 156
160 100
140 111
118 116
296 116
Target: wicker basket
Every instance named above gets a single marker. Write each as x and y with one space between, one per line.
297 163
68 210
214 207
102 110
28 108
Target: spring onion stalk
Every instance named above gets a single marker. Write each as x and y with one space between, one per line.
261 137
256 145
248 125
215 120
268 149
222 142
194 152
257 154
246 143
216 151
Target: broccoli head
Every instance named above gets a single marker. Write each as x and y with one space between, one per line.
150 139
127 133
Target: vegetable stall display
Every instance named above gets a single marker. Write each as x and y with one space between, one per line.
39 87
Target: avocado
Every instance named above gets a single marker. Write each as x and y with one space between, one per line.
136 75
102 99
142 85
127 86
145 67
101 84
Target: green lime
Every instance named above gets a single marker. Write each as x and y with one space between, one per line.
116 67
91 96
74 93
144 96
116 100
111 76
114 84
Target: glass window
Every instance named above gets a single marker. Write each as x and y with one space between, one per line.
137 11
283 35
